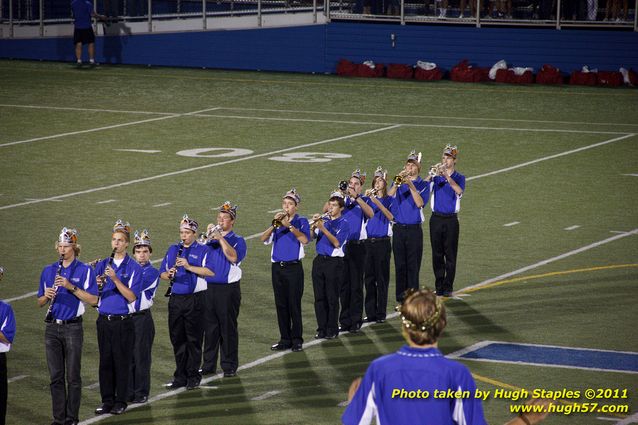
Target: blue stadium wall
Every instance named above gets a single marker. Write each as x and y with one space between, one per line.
318 48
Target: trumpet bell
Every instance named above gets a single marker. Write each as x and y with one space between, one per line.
276 223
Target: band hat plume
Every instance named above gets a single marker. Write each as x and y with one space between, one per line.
188 224
292 194
68 236
361 175
381 172
122 226
415 158
141 238
450 150
229 209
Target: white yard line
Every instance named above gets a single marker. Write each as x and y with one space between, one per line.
461 127
108 201
547 261
162 205
21 297
632 175
138 150
108 127
558 155
16 378
201 167
513 223
437 117
266 395
574 227
633 419
66 108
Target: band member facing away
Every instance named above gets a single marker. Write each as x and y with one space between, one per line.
417 365
378 250
140 376
356 213
121 280
187 272
64 286
223 296
7 333
409 196
331 232
288 235
448 186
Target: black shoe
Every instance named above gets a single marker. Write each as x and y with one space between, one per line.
193 385
69 423
320 335
118 409
140 400
380 320
280 347
207 371
369 319
355 328
174 385
230 373
447 294
331 336
343 328
297 347
104 409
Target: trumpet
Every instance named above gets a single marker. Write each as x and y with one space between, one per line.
208 236
437 169
277 221
313 223
400 178
371 192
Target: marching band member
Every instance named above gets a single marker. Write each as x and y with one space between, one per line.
378 250
140 376
121 280
7 333
447 186
186 265
328 269
223 295
288 235
64 285
356 213
409 194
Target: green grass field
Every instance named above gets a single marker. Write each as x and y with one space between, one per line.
549 158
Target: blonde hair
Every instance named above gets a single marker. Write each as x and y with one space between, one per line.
76 248
423 316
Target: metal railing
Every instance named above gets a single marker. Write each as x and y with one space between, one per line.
613 14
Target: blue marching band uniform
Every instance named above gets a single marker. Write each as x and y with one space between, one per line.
353 252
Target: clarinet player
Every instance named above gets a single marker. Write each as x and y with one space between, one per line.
65 285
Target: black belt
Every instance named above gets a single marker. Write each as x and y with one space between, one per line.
356 242
407 226
139 313
384 238
111 317
287 263
67 322
328 257
436 214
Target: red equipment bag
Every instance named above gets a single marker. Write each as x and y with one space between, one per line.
345 68
366 71
610 78
428 74
466 73
400 71
583 78
549 75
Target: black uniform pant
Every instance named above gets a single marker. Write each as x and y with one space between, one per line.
407 247
444 238
327 274
377 277
220 331
185 328
63 346
4 386
351 292
288 286
140 375
115 341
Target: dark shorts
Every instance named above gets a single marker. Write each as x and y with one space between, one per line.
84 36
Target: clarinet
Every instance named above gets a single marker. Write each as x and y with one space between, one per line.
169 291
100 287
49 317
